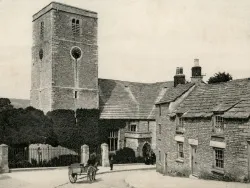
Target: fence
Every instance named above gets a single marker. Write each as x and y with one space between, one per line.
42 156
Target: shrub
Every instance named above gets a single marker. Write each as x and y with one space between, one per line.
235 175
20 164
179 171
125 155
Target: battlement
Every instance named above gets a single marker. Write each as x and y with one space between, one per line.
66 8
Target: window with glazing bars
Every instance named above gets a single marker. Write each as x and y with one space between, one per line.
218 124
219 158
113 140
180 150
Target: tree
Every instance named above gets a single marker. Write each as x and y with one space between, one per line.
220 77
5 104
26 126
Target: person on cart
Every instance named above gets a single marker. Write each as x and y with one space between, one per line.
93 161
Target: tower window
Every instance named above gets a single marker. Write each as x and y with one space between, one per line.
75 27
42 30
76 95
41 54
76 52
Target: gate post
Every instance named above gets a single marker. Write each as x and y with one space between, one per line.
4 166
105 155
84 154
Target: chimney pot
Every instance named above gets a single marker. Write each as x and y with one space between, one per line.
196 62
181 70
177 70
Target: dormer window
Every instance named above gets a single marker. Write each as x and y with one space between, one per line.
179 124
42 30
218 122
75 27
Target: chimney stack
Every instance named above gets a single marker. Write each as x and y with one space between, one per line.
179 78
196 72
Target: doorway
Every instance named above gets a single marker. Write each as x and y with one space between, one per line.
248 157
166 164
194 165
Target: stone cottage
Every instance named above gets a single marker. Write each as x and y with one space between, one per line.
204 129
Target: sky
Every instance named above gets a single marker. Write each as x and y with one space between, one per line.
139 40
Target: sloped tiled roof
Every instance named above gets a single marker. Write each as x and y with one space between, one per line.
129 100
232 98
175 92
20 103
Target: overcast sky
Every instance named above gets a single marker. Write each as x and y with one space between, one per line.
139 40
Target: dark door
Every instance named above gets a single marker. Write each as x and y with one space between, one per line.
248 158
194 160
166 163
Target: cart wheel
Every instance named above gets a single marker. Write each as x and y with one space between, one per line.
72 177
91 173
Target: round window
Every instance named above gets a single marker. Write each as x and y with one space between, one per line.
41 54
76 52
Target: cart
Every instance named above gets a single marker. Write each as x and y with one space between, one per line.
78 169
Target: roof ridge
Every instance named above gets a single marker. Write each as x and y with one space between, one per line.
124 81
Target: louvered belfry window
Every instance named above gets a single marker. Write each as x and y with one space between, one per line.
75 27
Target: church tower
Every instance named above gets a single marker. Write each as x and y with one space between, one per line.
64 58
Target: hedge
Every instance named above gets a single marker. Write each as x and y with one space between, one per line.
26 126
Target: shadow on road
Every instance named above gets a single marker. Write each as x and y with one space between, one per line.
85 181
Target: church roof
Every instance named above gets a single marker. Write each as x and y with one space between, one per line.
130 100
175 92
20 103
230 99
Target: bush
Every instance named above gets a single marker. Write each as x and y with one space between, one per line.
20 164
234 176
179 171
125 155
139 159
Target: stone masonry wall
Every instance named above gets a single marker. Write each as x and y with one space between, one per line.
41 72
236 134
53 85
63 63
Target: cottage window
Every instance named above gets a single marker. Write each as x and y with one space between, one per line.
179 124
219 158
159 110
218 124
42 30
113 140
148 126
180 149
75 27
159 126
132 128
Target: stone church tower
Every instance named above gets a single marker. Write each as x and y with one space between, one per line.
64 59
